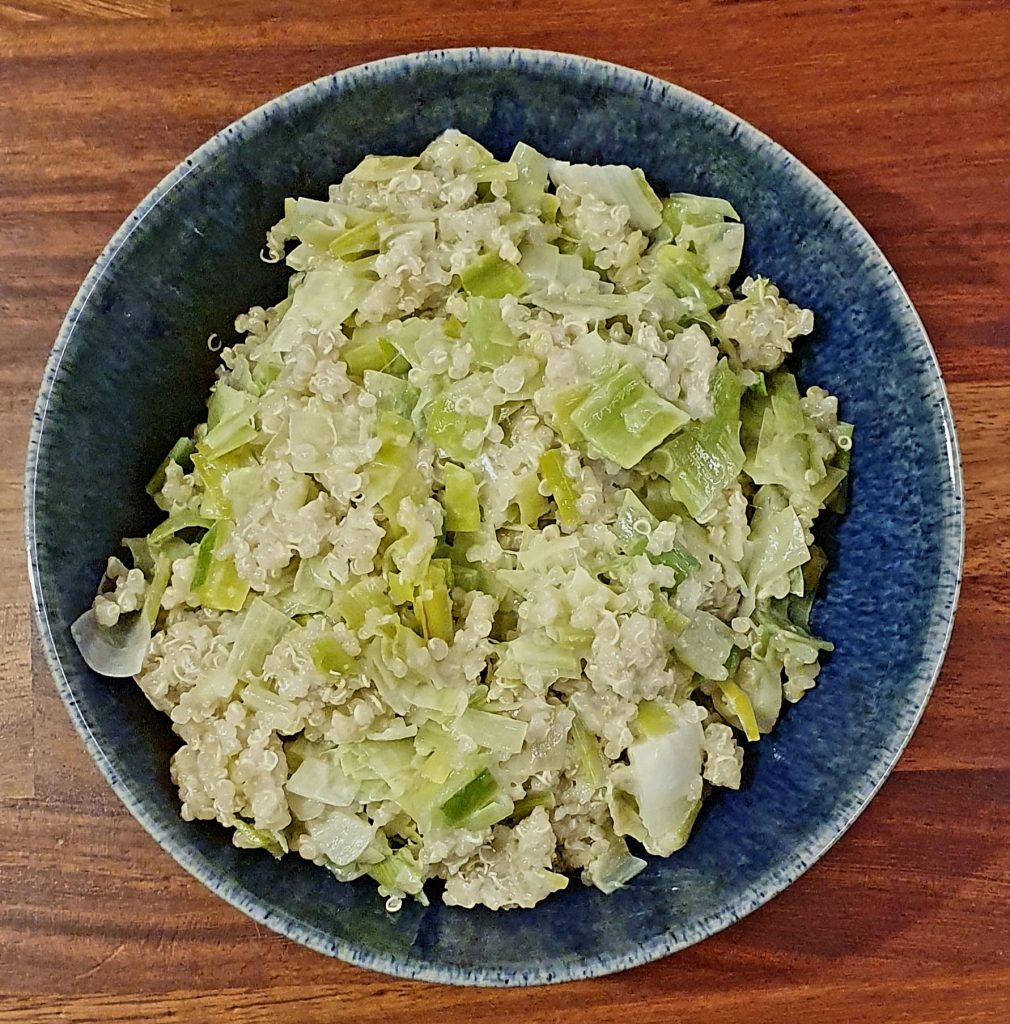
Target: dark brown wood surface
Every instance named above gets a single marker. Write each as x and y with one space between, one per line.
902 108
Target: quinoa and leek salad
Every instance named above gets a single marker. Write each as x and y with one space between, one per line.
496 545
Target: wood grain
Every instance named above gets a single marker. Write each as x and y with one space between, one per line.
901 108
17 776
107 10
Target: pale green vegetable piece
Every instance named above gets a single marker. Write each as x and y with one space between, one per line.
705 645
589 760
324 299
706 457
736 701
664 777
174 524
216 580
451 427
263 627
624 419
491 277
117 651
382 168
340 836
777 545
560 486
250 838
487 333
492 731
322 779
528 189
181 452
616 867
682 271
615 184
460 498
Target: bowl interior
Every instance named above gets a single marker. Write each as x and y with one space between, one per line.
131 371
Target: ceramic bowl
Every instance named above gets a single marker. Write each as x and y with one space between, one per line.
130 371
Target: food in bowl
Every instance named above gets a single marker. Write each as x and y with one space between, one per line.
497 536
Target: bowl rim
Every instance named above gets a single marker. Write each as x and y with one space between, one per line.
937 638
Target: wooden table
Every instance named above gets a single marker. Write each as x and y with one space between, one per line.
902 109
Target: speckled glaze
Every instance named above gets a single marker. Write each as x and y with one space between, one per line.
129 374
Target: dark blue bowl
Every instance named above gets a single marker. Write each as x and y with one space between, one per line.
130 371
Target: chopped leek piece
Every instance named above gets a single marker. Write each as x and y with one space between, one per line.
625 419
788 619
174 524
352 605
560 487
664 778
216 580
494 732
263 627
492 277
692 209
489 337
392 474
382 168
706 456
470 798
267 703
399 873
257 839
340 836
235 426
141 552
529 188
531 503
589 759
462 508
328 655
738 703
634 526
679 560
615 184
164 562
498 809
393 393
376 354
675 621
212 469
529 803
615 868
322 779
204 556
562 404
180 452
705 645
433 606
681 270
452 428
354 241
777 545
531 652
652 720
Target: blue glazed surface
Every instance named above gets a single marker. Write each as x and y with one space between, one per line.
130 370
